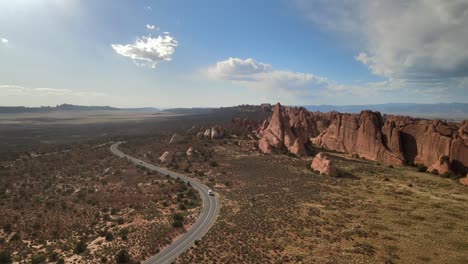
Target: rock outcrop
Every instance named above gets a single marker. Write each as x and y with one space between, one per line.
441 166
361 134
464 180
176 138
324 165
166 157
289 129
189 152
390 139
215 132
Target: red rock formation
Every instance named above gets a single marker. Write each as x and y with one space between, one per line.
441 166
324 165
391 139
362 134
464 181
290 128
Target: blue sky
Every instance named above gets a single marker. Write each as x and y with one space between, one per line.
215 53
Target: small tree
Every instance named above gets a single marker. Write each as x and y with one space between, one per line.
109 236
122 257
80 247
177 224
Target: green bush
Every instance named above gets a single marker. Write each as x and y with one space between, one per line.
38 259
7 228
109 236
178 217
421 168
80 247
177 224
123 257
5 257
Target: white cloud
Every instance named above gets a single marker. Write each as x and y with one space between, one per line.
4 41
289 86
261 76
152 27
415 40
148 51
148 8
7 89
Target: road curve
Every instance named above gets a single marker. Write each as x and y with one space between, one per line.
199 228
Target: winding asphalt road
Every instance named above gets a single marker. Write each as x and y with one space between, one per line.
201 226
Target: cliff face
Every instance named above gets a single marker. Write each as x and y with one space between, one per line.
390 139
363 135
290 128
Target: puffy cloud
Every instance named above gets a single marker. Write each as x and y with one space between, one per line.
152 27
262 76
148 51
419 42
4 41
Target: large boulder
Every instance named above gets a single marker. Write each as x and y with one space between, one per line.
215 132
441 166
176 138
166 157
189 152
323 164
464 180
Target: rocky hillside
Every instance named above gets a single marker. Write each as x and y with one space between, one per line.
399 140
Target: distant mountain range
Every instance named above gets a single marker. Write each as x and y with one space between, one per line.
449 111
445 110
67 107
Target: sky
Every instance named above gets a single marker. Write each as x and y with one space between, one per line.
174 53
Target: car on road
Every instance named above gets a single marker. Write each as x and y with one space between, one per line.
210 192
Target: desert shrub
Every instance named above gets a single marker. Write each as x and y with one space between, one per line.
447 175
7 228
214 164
123 257
421 168
38 259
290 154
182 207
15 237
53 257
177 224
80 247
109 236
390 166
356 156
5 257
434 172
120 221
178 217
104 259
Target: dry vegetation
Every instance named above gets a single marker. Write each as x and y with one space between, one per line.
84 205
276 210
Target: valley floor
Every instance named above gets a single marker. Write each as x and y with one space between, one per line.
276 210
